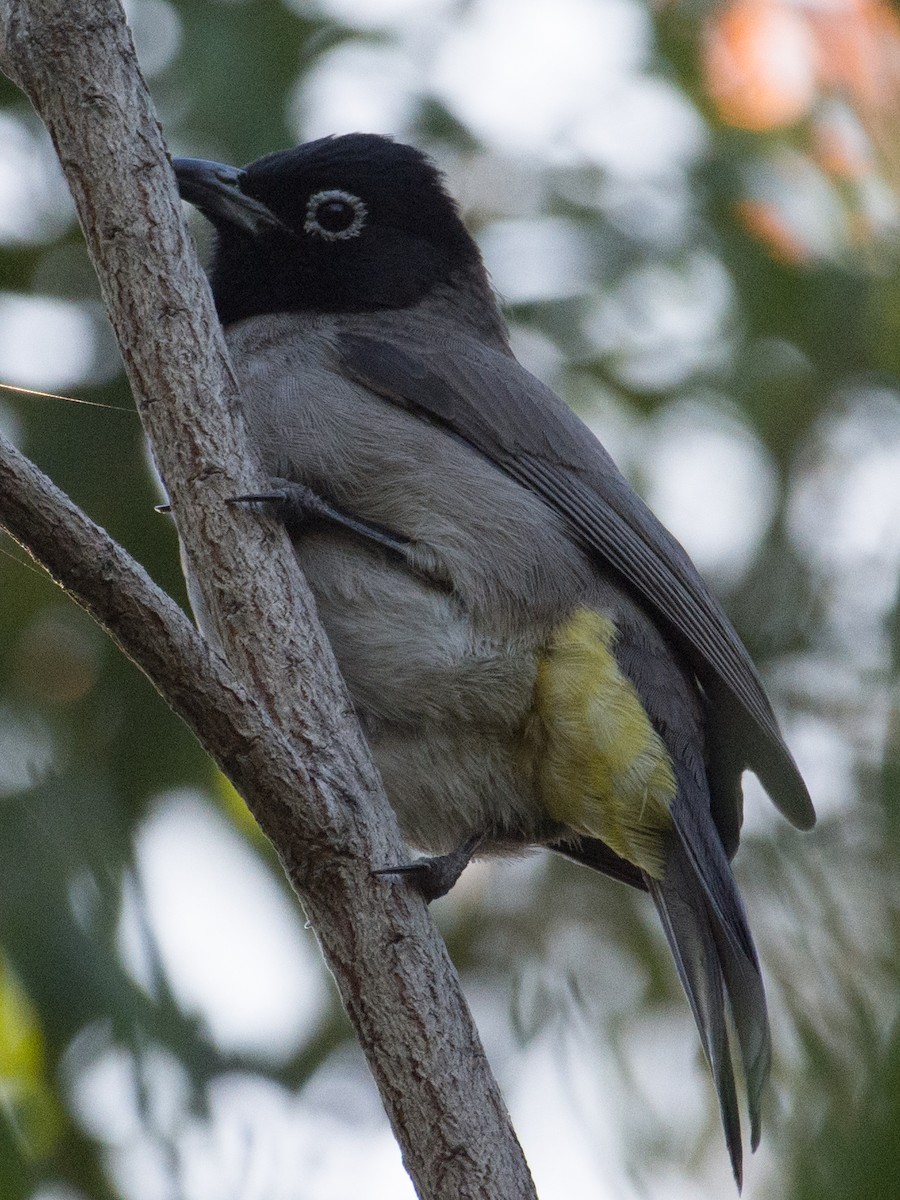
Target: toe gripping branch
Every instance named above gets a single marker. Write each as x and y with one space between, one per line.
297 504
433 877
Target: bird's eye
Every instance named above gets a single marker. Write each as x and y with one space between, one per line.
335 214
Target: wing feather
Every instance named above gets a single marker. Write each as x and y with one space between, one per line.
491 402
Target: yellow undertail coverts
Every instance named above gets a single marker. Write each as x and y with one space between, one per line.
604 770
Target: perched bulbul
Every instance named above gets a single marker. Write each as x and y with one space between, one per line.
534 658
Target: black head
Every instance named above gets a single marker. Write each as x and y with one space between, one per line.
343 224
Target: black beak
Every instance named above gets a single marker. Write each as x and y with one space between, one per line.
215 189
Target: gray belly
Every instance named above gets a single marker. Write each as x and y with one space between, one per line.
444 704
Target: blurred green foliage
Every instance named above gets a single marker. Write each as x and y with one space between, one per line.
805 358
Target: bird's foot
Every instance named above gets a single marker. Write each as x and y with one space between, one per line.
436 875
297 504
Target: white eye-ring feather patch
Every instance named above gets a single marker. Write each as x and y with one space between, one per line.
356 213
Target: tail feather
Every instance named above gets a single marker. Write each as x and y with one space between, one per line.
744 986
706 926
695 951
737 953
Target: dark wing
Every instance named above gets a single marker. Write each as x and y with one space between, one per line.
491 402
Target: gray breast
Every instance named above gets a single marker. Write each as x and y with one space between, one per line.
508 555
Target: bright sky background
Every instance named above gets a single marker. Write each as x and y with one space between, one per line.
567 81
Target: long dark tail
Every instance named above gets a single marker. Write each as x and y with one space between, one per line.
704 920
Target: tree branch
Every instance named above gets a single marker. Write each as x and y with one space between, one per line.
286 735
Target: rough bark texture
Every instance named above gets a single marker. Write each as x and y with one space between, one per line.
276 717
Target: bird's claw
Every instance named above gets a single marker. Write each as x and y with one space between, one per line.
434 876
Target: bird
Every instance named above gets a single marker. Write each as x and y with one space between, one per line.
534 659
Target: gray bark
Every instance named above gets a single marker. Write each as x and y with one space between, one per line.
275 716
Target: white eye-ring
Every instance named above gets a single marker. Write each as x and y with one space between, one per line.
334 215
